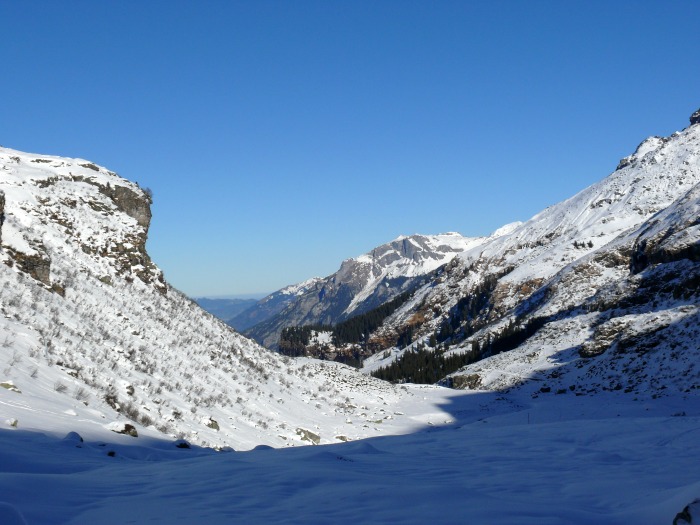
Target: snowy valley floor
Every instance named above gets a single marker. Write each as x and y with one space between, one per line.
506 458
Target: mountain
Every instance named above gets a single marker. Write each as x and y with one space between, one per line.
94 340
224 308
361 283
597 292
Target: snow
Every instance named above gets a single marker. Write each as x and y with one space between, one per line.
659 173
571 253
503 458
299 288
505 230
321 338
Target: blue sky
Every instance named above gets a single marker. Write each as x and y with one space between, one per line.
280 138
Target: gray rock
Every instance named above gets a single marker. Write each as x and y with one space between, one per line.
695 118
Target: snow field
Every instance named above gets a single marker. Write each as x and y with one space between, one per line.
504 459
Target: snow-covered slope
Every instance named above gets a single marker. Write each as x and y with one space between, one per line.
363 283
92 338
614 266
402 258
505 459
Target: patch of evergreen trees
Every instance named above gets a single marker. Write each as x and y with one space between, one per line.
357 328
295 339
513 335
466 311
425 366
430 366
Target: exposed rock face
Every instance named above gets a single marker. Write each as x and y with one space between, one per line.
136 205
695 118
77 199
37 266
2 213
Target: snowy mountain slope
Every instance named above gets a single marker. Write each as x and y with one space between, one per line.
92 338
364 282
592 418
569 259
638 331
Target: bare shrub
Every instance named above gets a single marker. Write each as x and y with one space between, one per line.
81 394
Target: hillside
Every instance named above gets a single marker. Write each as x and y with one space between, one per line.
94 339
582 407
270 306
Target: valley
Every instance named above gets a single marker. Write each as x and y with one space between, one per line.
561 356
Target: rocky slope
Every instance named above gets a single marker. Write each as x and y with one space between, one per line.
94 338
361 283
600 290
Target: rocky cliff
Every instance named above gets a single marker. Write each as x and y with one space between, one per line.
65 196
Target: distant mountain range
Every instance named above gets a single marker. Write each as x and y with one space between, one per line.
225 308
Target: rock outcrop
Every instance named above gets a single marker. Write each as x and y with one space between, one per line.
37 266
70 198
82 310
695 118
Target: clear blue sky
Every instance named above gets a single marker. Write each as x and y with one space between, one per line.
280 138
